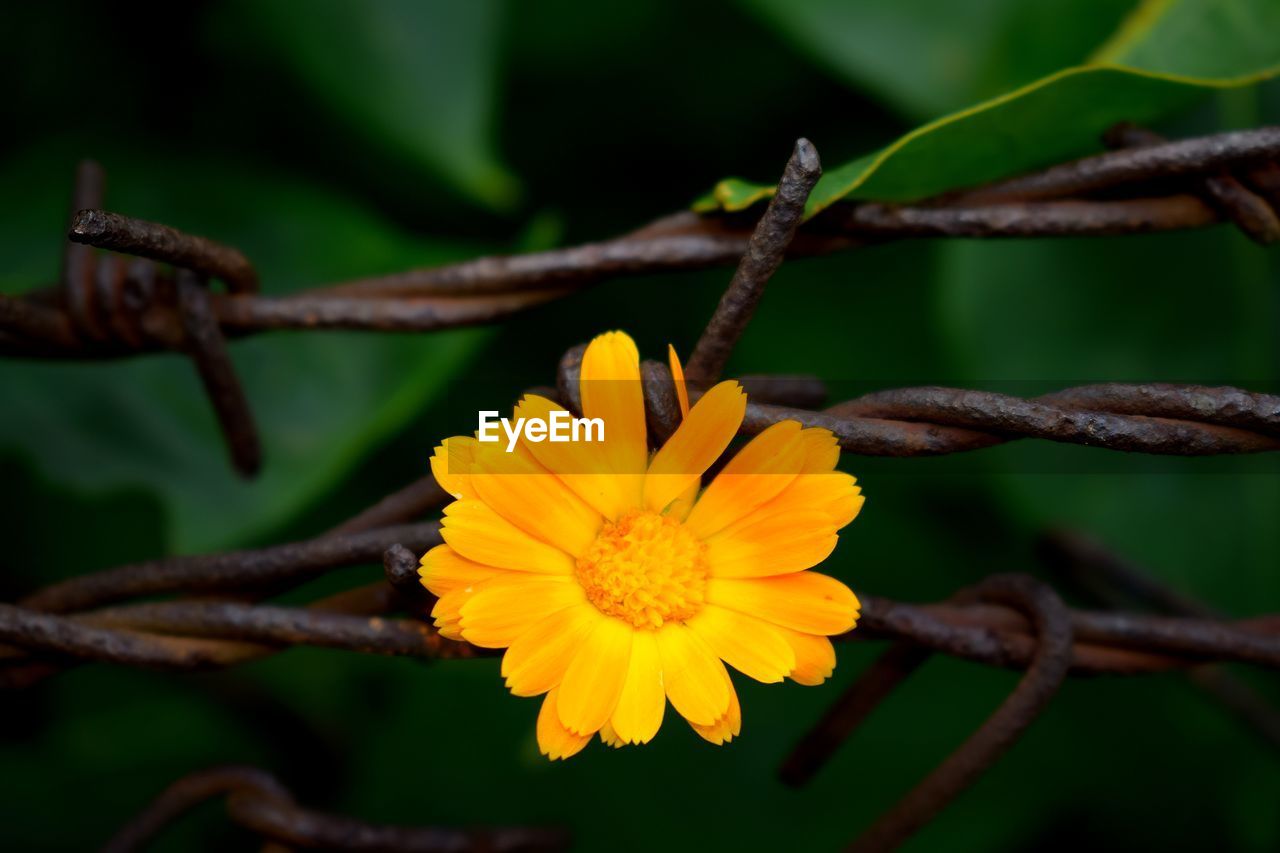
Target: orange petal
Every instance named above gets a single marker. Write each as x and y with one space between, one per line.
502 609
728 726
772 544
755 475
822 451
591 685
819 486
680 508
755 648
846 508
538 658
554 740
446 612
643 699
693 676
477 532
443 570
451 465
815 657
832 492
611 390
804 601
527 495
582 465
609 737
697 442
677 376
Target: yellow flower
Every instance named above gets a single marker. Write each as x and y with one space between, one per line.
615 585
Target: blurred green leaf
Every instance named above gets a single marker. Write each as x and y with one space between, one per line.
1061 115
1196 38
320 399
420 77
929 57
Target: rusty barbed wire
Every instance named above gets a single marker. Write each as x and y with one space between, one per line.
1058 640
991 625
208 350
1142 160
1111 643
1156 418
1005 621
1160 418
108 307
1182 420
202 634
1248 209
1044 674
978 753
983 634
260 803
233 570
682 241
765 252
104 230
1115 582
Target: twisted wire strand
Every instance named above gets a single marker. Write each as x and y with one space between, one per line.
1165 419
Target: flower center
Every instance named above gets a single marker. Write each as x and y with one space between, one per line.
646 569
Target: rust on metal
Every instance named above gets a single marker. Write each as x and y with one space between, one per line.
106 230
764 254
208 351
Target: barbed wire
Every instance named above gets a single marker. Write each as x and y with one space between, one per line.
982 626
111 306
223 615
70 619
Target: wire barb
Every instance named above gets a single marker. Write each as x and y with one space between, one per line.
401 569
661 406
862 697
105 230
993 738
1251 212
765 252
1117 583
208 350
79 268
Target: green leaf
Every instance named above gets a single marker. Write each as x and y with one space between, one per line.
929 57
321 399
421 77
1062 115
1196 38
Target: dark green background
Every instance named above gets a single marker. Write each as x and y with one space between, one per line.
333 140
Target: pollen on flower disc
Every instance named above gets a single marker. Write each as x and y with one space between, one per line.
646 569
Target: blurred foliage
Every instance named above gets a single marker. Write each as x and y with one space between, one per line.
961 53
419 77
151 425
354 139
1154 64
